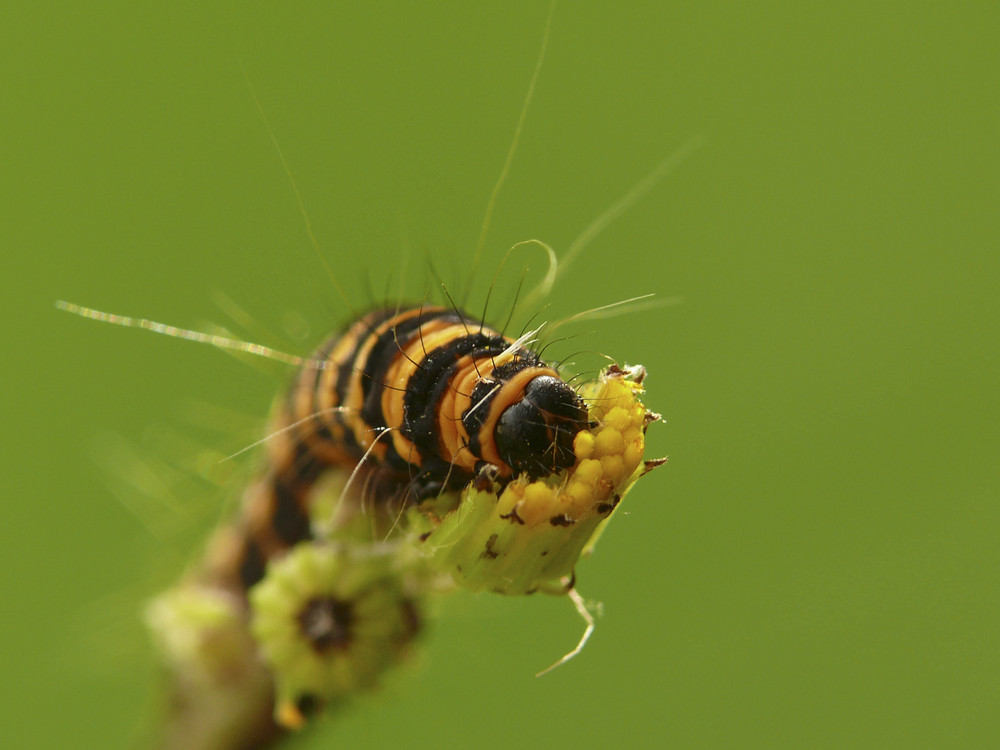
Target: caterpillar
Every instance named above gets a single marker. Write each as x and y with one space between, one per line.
455 395
418 450
473 464
455 398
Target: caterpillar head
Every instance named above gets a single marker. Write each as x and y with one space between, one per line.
534 435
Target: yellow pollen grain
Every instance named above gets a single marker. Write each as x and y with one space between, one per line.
609 442
583 445
577 495
588 473
618 419
539 503
633 455
613 468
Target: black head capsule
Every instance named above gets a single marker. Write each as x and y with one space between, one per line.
535 434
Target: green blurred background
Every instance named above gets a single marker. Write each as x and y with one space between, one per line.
818 565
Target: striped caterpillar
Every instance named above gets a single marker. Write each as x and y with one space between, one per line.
416 451
454 400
